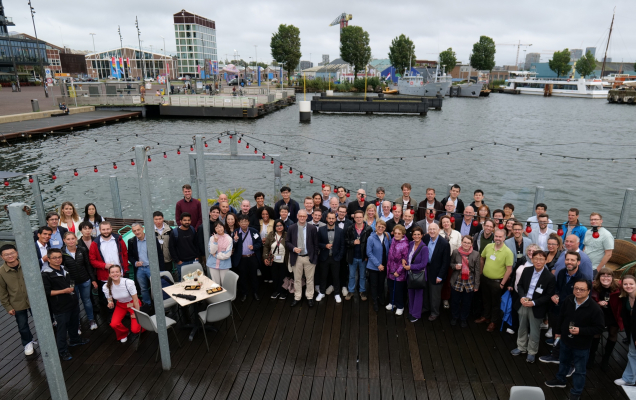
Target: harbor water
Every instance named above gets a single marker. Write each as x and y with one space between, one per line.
558 126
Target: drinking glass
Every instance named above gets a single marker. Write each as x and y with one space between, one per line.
71 284
570 327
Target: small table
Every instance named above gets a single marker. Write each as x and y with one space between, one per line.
200 294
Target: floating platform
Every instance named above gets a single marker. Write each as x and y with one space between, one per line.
375 104
622 96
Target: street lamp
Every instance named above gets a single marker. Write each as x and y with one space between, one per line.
165 60
141 53
37 43
93 35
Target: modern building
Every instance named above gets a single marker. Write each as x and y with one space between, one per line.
531 58
591 50
195 38
306 64
575 54
136 64
325 59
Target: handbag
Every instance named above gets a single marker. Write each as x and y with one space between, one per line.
416 280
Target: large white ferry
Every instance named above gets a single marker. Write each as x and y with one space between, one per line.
524 82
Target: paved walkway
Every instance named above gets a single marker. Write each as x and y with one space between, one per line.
20 102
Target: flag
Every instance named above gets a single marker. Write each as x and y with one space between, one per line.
121 66
113 67
388 76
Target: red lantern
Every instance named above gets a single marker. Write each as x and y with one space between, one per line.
301 175
501 226
255 150
165 155
54 177
633 234
149 159
132 162
560 231
290 170
412 211
348 194
179 150
475 222
323 184
280 166
6 182
271 161
394 207
75 172
95 169
377 203
452 220
263 157
230 136
114 165
191 148
30 179
247 146
595 233
528 228
311 180
239 140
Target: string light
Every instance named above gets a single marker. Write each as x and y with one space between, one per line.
114 165
149 159
263 156
280 166
560 230
6 182
255 150
247 145
595 233
412 211
179 150
452 219
271 161
290 170
475 222
191 148
301 175
377 203
394 206
633 234
348 194
311 179
500 226
95 169
528 227
54 177
239 140
30 179
165 155
132 162
75 172
323 184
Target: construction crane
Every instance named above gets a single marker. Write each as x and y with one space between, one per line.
342 20
519 44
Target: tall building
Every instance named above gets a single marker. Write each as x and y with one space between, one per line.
531 58
195 37
306 64
325 60
575 54
591 50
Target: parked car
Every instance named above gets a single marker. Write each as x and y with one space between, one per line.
234 82
149 79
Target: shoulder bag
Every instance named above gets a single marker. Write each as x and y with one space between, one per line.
416 280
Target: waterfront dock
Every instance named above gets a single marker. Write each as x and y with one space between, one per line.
375 104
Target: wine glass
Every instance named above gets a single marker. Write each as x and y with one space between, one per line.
570 327
71 284
607 299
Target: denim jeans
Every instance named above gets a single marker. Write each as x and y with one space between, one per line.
22 318
143 277
361 267
577 359
629 375
83 291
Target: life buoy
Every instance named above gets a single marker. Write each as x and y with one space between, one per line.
421 83
568 79
411 83
630 100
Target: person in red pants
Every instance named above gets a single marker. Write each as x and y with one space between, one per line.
124 292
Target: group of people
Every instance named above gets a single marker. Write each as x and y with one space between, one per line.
429 254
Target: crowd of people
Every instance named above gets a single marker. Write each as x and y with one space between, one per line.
428 255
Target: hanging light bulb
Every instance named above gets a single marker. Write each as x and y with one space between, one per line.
95 169
348 194
560 230
431 215
230 136
191 148
239 140
30 179
595 233
377 203
54 177
179 150
271 161
311 179
255 150
452 220
280 166
165 155
75 172
301 175
394 207
501 225
412 211
6 182
633 234
132 162
475 222
247 145
290 170
323 184
114 165
528 227
263 156
149 159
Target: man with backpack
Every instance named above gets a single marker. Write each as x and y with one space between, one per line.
183 248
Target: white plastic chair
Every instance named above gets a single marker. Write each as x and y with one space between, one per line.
150 324
214 313
230 284
526 393
186 269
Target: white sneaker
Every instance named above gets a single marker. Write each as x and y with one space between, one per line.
124 340
329 290
446 305
79 331
399 311
345 292
54 323
621 382
320 297
510 331
93 325
389 307
338 299
28 349
258 272
548 334
544 325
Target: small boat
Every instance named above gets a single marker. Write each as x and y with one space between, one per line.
389 91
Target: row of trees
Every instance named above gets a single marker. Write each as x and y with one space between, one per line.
560 63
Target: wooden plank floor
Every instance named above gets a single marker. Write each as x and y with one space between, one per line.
330 351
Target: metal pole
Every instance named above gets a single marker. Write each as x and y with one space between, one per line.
203 194
157 294
622 233
538 198
234 145
39 204
277 181
19 214
114 192
37 44
193 176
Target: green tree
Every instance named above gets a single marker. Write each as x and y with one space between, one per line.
240 62
354 48
285 45
560 62
483 56
401 53
447 59
585 65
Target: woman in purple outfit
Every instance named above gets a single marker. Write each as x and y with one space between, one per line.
396 274
416 262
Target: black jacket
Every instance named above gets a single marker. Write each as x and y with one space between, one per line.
565 288
293 209
338 248
390 224
79 267
588 318
133 253
173 245
542 301
252 214
62 302
351 235
629 320
291 241
421 209
354 206
440 260
237 248
460 205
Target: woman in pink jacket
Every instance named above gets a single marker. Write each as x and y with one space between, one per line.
396 274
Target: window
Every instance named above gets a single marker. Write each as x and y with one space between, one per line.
180 27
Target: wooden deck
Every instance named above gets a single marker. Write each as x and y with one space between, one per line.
330 351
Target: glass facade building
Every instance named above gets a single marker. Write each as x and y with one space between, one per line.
195 39
154 64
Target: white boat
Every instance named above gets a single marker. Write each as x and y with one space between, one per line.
526 82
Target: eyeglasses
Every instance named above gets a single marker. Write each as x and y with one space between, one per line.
577 289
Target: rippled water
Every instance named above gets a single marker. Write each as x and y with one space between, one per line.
576 127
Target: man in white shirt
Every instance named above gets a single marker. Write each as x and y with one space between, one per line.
162 231
326 196
386 213
309 206
541 208
408 224
42 246
598 249
541 235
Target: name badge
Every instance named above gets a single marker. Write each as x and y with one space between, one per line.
493 257
538 290
278 257
255 236
160 241
55 242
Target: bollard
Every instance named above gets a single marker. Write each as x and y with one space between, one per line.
305 111
329 93
35 106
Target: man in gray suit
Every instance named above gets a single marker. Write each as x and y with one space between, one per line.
540 236
518 244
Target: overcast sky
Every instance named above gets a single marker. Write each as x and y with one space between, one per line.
433 26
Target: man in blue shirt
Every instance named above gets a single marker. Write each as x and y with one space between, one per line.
572 244
138 258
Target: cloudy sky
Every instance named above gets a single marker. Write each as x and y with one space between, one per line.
433 26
